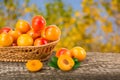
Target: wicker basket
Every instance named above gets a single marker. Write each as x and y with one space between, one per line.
25 53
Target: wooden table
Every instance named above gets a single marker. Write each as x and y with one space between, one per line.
97 66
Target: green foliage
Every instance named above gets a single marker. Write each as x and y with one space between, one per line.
79 28
53 62
77 63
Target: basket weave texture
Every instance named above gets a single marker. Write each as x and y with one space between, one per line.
25 53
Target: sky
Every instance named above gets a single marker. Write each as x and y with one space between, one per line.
75 4
41 3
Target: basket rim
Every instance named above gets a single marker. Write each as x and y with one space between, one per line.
53 42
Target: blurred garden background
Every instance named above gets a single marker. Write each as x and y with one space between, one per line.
91 24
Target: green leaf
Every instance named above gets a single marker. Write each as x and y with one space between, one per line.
77 64
54 59
51 64
75 60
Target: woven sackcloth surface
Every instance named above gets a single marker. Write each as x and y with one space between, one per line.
97 66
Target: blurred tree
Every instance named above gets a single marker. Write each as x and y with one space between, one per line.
13 10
